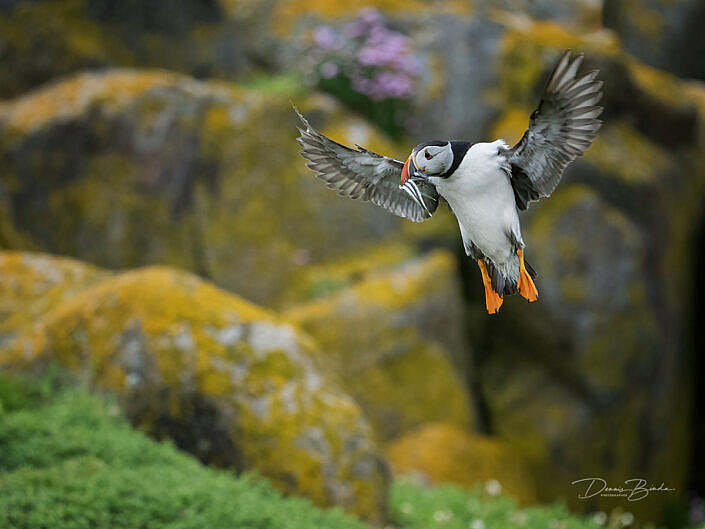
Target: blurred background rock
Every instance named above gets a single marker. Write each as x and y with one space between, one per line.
161 133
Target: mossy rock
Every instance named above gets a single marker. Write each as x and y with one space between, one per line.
203 176
570 379
227 380
70 459
43 40
396 342
663 34
32 284
440 453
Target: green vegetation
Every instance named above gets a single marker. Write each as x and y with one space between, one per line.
73 461
70 459
448 507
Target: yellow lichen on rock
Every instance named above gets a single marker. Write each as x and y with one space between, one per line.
394 340
205 176
596 325
445 453
529 48
511 125
658 84
73 96
318 280
223 377
33 284
287 12
618 142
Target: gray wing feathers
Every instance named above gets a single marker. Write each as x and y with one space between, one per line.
560 129
363 174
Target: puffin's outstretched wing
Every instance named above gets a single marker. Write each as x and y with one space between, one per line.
560 130
366 175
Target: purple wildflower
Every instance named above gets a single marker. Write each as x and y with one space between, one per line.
329 70
378 62
326 38
388 84
371 17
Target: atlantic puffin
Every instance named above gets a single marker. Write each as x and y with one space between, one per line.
485 184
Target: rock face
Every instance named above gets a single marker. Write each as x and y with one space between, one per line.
203 176
33 284
226 380
445 453
586 382
667 35
43 39
395 340
591 380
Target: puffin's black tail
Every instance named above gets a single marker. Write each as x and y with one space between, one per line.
504 285
530 269
497 285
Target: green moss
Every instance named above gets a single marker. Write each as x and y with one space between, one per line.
176 349
72 460
416 507
444 453
597 328
75 462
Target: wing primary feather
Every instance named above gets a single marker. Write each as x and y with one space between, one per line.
561 129
362 174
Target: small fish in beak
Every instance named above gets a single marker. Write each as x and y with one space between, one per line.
408 184
405 171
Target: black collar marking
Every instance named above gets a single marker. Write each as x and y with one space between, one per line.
459 149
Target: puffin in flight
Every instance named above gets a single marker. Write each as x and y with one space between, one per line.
485 184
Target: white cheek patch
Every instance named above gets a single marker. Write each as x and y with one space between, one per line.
420 160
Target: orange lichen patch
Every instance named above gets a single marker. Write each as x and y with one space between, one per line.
72 96
444 453
288 11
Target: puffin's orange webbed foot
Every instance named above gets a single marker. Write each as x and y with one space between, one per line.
526 285
493 301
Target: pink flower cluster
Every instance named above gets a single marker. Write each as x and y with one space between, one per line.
378 61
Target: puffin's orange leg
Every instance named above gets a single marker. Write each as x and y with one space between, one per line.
526 285
493 301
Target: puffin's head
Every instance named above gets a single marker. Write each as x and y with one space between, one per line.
432 158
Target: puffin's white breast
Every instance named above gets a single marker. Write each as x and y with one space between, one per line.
481 196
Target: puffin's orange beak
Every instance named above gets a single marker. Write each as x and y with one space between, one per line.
405 170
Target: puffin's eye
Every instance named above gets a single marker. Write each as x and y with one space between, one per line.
428 155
